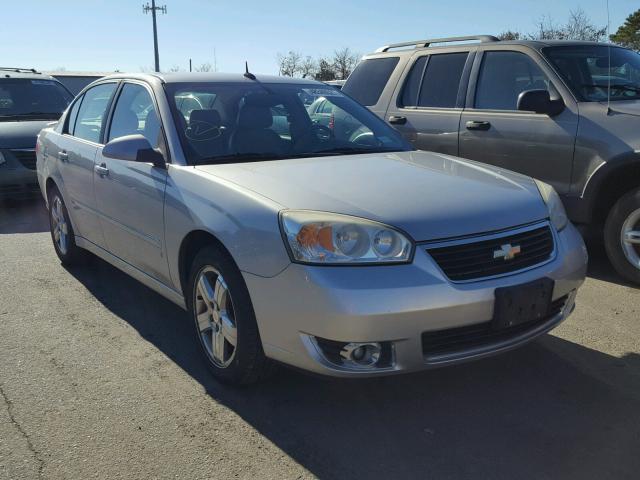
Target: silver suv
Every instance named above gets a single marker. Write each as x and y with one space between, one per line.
562 111
348 256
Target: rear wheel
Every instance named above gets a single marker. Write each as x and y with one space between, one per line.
64 240
223 319
622 236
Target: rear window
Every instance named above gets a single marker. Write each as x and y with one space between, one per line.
369 78
434 81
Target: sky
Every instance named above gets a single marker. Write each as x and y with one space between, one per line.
108 35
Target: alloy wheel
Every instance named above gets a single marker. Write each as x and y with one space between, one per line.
214 317
59 225
630 238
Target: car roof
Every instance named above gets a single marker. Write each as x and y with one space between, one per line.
410 48
216 77
24 73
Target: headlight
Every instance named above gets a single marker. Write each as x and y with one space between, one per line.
330 238
2 159
557 213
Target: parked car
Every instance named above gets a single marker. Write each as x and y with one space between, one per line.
324 112
537 107
336 83
28 101
337 257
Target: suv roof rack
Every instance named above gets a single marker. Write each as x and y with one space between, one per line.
426 43
19 70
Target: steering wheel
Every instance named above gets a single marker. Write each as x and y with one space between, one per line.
322 133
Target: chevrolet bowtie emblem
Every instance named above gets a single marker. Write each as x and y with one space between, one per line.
507 252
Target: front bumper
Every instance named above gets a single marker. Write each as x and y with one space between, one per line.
16 180
395 304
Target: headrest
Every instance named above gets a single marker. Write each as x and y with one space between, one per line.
127 124
255 116
211 117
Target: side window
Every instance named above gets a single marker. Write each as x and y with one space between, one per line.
135 113
503 76
442 80
71 118
280 121
411 87
92 112
369 78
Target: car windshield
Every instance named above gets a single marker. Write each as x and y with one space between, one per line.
32 98
227 123
590 73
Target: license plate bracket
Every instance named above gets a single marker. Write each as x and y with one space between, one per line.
522 303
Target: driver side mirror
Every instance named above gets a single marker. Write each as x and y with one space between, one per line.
539 101
133 148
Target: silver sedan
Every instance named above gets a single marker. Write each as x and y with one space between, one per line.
344 255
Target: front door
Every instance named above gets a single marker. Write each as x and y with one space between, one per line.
427 107
494 131
130 195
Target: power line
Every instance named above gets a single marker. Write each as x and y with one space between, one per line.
153 9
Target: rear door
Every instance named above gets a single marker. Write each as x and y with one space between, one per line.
130 195
77 147
426 107
493 131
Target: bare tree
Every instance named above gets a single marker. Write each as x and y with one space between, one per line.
344 61
175 68
578 27
308 67
325 71
510 35
205 67
289 64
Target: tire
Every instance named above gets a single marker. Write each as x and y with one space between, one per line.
64 241
217 295
623 218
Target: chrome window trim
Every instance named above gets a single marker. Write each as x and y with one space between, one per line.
492 236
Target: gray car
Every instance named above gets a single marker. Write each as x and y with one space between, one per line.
340 257
565 112
28 101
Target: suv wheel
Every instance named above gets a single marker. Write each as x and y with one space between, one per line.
64 241
622 236
223 319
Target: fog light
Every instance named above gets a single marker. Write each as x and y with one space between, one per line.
361 354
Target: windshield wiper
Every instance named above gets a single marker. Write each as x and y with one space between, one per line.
32 114
241 157
351 151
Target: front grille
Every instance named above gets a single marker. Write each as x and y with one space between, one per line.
459 339
26 157
469 261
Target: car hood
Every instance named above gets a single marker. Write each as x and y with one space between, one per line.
20 134
428 195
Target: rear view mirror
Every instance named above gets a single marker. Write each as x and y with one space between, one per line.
539 101
133 148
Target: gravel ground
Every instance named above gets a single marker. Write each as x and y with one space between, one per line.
99 378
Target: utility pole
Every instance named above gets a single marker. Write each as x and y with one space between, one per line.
146 9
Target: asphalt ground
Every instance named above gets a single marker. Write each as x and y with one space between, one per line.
100 378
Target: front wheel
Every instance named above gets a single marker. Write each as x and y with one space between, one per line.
622 236
223 319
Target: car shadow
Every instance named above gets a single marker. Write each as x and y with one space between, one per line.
23 216
552 409
600 267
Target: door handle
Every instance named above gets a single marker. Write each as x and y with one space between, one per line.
397 120
102 170
63 156
476 125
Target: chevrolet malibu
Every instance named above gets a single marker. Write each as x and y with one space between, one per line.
343 255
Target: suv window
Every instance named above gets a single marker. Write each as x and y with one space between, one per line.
503 76
92 112
434 81
369 78
135 113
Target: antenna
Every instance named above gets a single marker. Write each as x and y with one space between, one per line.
247 73
609 57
